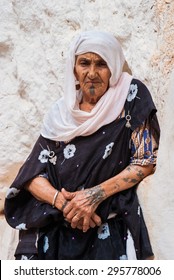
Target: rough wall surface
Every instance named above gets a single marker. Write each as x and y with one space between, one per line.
34 37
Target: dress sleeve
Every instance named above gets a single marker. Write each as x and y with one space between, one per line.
22 210
34 165
144 144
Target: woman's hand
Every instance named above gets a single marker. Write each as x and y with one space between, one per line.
81 206
92 224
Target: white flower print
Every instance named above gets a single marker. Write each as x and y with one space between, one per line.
12 193
21 226
69 151
132 92
23 257
103 231
46 244
123 257
44 155
108 150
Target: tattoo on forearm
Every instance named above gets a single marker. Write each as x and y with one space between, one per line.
95 195
128 168
117 187
130 180
140 174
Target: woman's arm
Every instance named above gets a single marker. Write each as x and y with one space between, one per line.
126 179
82 204
42 190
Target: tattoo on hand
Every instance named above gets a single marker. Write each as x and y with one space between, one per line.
95 195
64 205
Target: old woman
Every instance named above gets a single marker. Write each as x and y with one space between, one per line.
75 195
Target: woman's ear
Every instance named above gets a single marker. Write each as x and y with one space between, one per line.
75 73
76 80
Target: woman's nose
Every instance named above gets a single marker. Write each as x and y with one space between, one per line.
92 72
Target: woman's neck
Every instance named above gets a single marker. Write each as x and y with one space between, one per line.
86 106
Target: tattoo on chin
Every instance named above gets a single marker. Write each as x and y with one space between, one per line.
92 90
95 195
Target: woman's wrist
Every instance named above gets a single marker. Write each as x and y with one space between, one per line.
60 202
96 194
55 198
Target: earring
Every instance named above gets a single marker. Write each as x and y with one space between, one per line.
77 84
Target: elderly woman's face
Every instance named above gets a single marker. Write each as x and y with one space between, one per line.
93 75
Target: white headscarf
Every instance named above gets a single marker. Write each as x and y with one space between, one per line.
65 120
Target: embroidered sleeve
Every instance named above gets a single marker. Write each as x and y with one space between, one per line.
144 146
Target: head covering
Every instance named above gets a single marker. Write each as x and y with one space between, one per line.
65 120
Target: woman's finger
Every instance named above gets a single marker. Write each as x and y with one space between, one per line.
92 224
75 220
67 195
96 219
86 225
71 215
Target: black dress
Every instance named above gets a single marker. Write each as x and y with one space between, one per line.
83 163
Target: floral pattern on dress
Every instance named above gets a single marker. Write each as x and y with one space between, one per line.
21 226
108 150
46 244
23 257
132 92
123 257
12 193
69 151
46 155
103 231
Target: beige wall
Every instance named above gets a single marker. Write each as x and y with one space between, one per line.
34 37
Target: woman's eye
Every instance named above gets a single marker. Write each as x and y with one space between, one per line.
84 63
102 64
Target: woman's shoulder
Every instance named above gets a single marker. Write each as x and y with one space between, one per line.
139 102
139 84
138 91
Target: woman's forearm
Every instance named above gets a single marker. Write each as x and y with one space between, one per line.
82 204
42 190
126 179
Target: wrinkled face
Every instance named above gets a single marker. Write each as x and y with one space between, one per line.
93 75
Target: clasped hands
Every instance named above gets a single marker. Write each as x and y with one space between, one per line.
79 207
